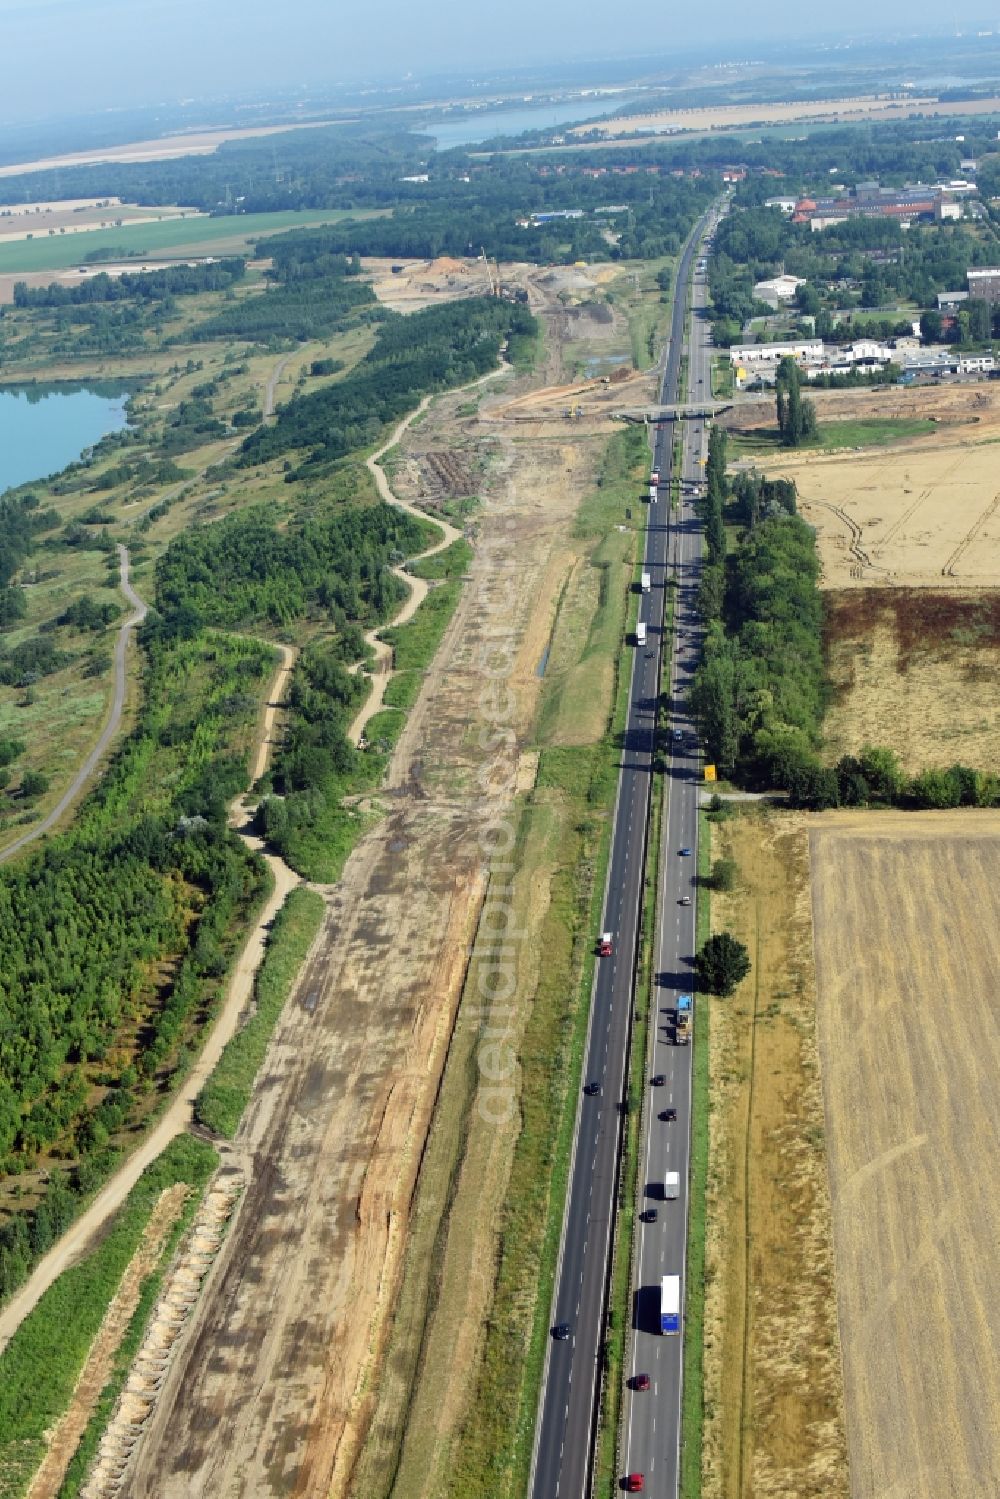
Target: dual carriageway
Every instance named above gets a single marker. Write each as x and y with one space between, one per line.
562 1465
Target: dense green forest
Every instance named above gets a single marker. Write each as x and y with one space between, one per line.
150 874
313 298
425 351
243 570
140 286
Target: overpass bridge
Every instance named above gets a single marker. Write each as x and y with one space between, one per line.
689 411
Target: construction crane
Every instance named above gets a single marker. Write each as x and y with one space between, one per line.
492 272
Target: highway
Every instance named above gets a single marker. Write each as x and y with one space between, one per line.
562 1456
651 1423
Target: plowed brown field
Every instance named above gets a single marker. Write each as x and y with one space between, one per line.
906 915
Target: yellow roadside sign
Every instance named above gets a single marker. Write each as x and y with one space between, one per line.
709 772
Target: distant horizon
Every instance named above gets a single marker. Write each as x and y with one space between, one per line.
148 64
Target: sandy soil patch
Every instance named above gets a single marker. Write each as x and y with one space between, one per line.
773 1394
423 283
915 670
730 116
65 1438
906 913
191 143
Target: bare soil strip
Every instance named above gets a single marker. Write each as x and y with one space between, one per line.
774 1423
63 1440
906 914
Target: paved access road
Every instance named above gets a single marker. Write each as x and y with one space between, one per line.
652 1417
564 1435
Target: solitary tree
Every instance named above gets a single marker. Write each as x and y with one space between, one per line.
722 963
796 415
723 876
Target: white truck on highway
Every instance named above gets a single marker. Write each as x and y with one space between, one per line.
671 1186
645 583
670 1304
640 633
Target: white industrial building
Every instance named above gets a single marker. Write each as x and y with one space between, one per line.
805 349
778 289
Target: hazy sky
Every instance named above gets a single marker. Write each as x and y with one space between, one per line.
74 55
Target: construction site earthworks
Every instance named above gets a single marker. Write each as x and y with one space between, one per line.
304 1365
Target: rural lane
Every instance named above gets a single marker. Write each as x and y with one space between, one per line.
110 729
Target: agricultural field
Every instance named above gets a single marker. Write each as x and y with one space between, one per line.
172 237
906 912
917 669
905 510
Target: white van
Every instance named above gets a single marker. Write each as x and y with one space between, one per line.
640 633
671 1185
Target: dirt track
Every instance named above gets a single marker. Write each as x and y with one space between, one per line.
906 913
180 1112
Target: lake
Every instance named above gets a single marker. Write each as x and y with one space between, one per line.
484 124
45 427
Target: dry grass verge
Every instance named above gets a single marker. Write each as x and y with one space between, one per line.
773 1398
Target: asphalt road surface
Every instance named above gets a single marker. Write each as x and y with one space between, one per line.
652 1417
562 1459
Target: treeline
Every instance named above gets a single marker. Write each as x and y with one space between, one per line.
759 690
460 211
143 286
426 351
21 523
874 778
312 298
759 694
244 569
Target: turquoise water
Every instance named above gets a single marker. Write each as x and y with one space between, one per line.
482 125
45 427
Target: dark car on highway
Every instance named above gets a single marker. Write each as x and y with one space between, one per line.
561 1332
658 1080
668 1116
640 1381
592 1090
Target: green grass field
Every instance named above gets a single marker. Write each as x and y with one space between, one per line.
874 432
173 237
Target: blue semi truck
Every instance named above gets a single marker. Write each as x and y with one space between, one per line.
670 1304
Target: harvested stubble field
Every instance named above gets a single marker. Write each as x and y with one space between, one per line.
906 913
916 669
774 1423
929 517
